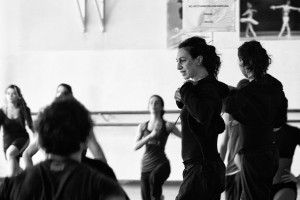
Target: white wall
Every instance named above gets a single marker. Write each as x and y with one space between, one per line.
41 45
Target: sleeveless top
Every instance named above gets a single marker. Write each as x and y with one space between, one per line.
155 149
12 129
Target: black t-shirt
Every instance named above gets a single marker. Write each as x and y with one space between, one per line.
200 118
287 138
258 107
67 180
99 166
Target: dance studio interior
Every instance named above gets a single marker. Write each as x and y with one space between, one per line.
117 53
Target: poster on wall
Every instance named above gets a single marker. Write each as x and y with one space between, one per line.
186 18
208 15
270 19
174 23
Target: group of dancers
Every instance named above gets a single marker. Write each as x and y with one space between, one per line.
19 139
247 17
259 142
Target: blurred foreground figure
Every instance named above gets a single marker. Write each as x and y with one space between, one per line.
64 90
63 129
230 146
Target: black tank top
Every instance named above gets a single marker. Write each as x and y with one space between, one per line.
155 149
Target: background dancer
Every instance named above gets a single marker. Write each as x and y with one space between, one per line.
16 122
153 134
230 146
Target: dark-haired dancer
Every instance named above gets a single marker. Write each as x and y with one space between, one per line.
63 129
200 98
15 119
258 107
64 90
153 134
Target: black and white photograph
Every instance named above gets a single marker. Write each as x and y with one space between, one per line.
150 100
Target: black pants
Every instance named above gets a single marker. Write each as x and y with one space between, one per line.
258 170
203 181
233 187
152 182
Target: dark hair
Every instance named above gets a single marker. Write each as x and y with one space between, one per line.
63 126
18 93
255 58
197 46
161 101
21 103
68 88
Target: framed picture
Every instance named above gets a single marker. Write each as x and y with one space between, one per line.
270 19
186 18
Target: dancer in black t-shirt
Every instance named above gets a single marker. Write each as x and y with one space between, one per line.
200 99
258 107
63 129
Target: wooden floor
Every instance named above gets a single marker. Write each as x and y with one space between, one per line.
117 141
170 190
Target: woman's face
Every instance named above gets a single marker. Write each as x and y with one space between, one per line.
186 64
62 91
155 105
243 68
11 95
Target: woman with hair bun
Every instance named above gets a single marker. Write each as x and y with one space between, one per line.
200 99
153 134
16 122
259 107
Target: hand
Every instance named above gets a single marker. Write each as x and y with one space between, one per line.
177 95
272 7
289 177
